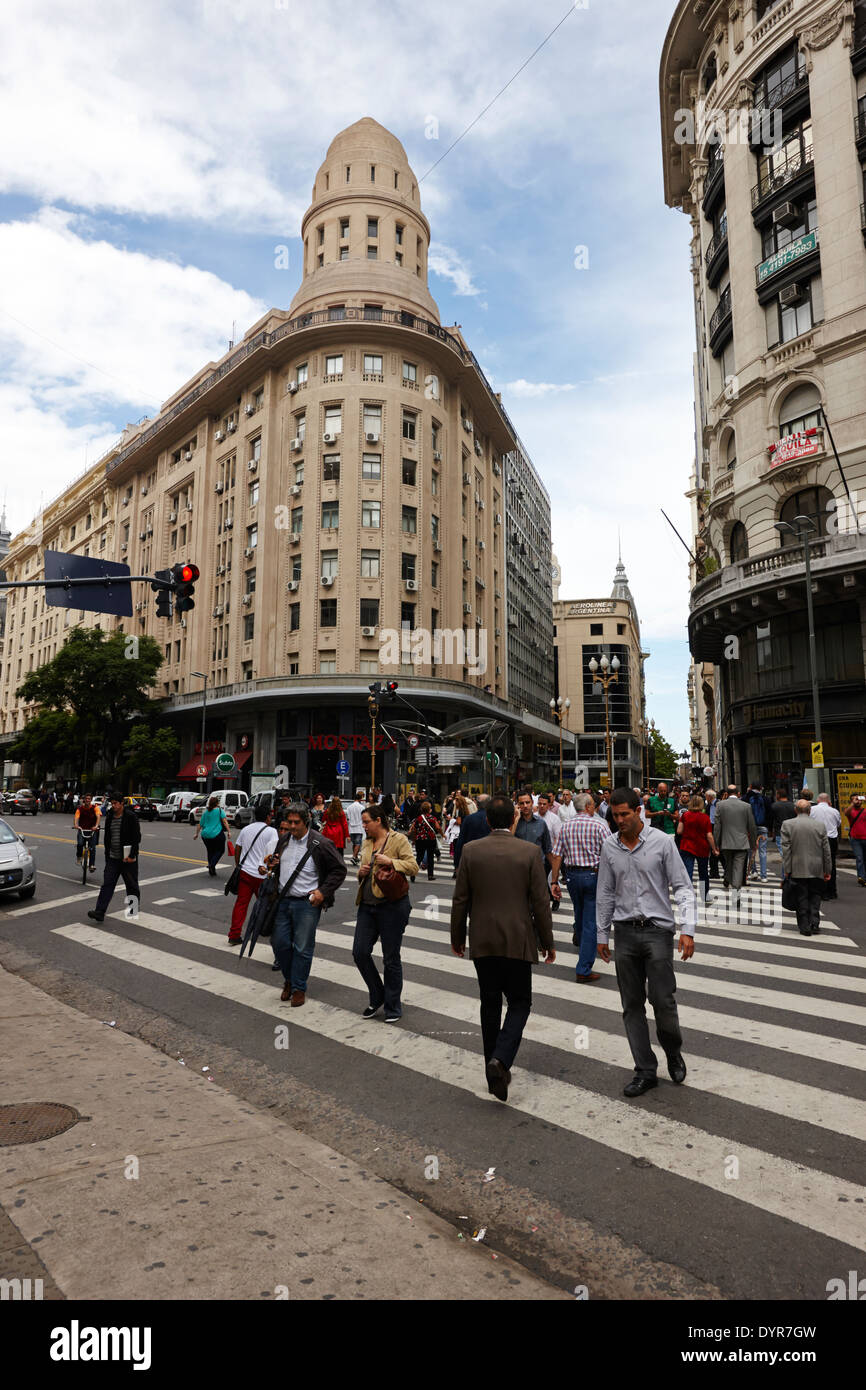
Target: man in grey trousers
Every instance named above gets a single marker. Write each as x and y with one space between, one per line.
637 870
736 835
807 859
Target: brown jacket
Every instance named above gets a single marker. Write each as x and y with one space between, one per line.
502 886
398 848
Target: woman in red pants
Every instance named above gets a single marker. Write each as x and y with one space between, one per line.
254 842
335 826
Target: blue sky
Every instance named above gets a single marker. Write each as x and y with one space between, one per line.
161 153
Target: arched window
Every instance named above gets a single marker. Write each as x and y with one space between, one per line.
800 410
810 502
710 73
731 453
738 544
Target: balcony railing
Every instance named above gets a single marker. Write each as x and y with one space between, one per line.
784 172
723 311
718 243
768 98
782 559
860 125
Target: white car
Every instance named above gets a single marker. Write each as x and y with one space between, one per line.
229 802
175 807
17 866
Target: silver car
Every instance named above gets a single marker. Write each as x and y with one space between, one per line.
17 865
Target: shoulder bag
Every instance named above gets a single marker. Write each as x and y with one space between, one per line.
392 884
234 880
273 897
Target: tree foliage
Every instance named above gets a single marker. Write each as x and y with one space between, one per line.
49 739
663 760
149 755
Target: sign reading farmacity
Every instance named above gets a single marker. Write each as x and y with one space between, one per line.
799 445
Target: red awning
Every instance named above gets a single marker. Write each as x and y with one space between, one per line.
188 771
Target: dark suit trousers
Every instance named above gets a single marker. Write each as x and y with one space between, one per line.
809 893
115 869
498 976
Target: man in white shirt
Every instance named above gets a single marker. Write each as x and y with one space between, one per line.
354 811
566 807
825 812
252 844
321 870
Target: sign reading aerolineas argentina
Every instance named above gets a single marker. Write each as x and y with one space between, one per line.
441 647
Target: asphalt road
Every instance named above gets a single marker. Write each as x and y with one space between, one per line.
743 1183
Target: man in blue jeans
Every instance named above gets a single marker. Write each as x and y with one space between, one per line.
578 850
311 871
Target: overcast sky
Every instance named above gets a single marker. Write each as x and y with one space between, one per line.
156 155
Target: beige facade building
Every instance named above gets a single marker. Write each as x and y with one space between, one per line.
764 145
356 498
591 628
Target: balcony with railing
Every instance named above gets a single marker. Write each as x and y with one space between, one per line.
860 128
716 257
835 560
863 219
714 188
788 170
789 96
721 323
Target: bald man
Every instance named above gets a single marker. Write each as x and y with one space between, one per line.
806 860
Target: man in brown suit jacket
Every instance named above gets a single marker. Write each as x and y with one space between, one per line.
502 887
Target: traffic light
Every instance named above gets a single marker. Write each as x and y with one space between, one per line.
434 758
184 578
389 691
163 595
375 689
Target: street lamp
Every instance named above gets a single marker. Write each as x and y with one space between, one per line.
202 676
609 674
805 531
559 709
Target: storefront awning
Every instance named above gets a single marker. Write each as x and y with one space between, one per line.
189 770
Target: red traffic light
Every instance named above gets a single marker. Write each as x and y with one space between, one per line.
189 574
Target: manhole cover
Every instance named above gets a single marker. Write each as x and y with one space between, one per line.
35 1120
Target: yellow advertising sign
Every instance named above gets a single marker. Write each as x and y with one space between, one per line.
817 755
849 784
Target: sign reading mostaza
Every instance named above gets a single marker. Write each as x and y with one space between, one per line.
332 742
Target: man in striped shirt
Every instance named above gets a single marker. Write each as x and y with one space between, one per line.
580 842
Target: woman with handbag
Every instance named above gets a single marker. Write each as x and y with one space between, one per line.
335 826
856 817
214 832
695 842
255 841
423 834
383 905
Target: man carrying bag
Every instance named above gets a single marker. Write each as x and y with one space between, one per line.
255 841
310 872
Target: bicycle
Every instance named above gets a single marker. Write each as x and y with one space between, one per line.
87 836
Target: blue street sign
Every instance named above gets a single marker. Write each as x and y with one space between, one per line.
115 598
342 768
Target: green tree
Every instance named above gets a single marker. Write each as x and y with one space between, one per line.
149 755
101 678
663 759
47 740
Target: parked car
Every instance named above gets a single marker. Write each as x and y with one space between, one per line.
229 801
175 806
17 866
143 807
22 802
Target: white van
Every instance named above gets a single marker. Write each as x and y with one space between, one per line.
229 802
175 805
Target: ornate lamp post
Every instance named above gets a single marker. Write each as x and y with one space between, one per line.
609 674
559 709
806 531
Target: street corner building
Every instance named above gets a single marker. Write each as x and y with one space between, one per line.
359 505
763 111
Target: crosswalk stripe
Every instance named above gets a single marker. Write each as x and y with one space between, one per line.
799 1194
48 903
732 1026
791 1099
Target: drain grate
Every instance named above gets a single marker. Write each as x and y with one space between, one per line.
35 1120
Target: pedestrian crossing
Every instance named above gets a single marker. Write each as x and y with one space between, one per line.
754 985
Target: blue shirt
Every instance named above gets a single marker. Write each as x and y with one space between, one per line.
211 823
536 832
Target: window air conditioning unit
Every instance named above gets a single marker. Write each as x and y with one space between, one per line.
412 586
123 545
231 427
436 546
478 620
467 425
499 670
372 437
219 487
219 436
189 506
467 564
246 598
467 477
172 516
218 612
125 502
228 523
249 552
183 622
497 470
150 530
497 632
467 608
296 445
478 448
329 438
139 606
481 545
481 504
292 387
252 465
249 410
188 455
295 490
292 586
787 215
294 538
327 580
791 294
497 520
142 535
368 632
220 569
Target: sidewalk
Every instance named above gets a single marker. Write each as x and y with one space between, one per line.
228 1202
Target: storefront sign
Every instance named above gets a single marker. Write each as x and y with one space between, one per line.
590 607
357 742
800 445
803 246
214 746
789 709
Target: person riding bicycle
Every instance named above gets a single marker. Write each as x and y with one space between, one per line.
87 818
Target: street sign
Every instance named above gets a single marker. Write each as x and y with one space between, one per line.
342 768
410 770
99 597
817 755
604 780
581 776
225 765
201 771
464 767
413 740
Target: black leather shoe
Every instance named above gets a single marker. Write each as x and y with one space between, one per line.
97 916
677 1069
498 1078
640 1085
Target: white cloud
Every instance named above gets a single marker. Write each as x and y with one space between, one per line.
450 265
537 388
